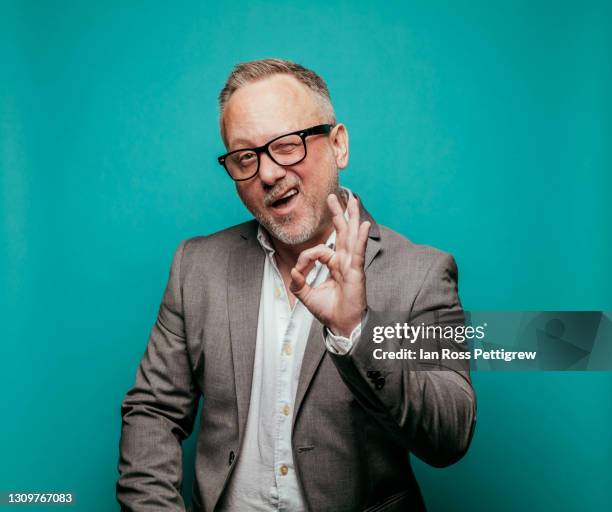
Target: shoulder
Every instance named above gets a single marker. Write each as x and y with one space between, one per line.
222 240
396 247
215 248
413 275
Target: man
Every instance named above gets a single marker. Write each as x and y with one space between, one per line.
271 322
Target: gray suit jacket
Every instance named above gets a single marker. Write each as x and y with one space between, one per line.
356 419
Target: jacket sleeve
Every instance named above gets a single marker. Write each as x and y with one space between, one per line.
158 412
429 408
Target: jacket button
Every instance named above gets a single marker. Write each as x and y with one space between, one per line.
231 457
376 378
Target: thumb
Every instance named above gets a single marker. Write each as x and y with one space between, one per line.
298 285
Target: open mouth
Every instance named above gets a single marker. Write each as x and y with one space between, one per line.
286 202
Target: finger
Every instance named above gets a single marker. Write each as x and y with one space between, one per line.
307 258
358 258
298 285
353 224
339 221
334 204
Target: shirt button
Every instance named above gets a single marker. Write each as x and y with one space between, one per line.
284 470
277 292
286 409
287 349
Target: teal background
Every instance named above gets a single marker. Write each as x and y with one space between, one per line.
482 128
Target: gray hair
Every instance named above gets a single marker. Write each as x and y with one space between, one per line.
255 70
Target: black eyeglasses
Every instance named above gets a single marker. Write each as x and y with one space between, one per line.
288 149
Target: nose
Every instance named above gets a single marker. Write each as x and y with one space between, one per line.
269 171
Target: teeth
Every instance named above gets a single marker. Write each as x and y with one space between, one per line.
289 193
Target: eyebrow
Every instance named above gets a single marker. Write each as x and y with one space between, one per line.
243 142
247 144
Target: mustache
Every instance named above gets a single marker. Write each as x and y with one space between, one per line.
281 188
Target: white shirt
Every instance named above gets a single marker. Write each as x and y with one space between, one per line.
264 478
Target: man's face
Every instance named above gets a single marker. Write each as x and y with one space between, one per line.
290 202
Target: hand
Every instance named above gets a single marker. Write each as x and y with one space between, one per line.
340 301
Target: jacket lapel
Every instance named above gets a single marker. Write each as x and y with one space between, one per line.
315 346
245 276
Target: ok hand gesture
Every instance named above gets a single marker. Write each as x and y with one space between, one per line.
340 301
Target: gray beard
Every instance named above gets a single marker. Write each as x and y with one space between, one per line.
310 224
277 229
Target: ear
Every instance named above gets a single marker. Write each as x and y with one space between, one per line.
340 145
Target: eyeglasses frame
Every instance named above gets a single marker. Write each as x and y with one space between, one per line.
319 129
